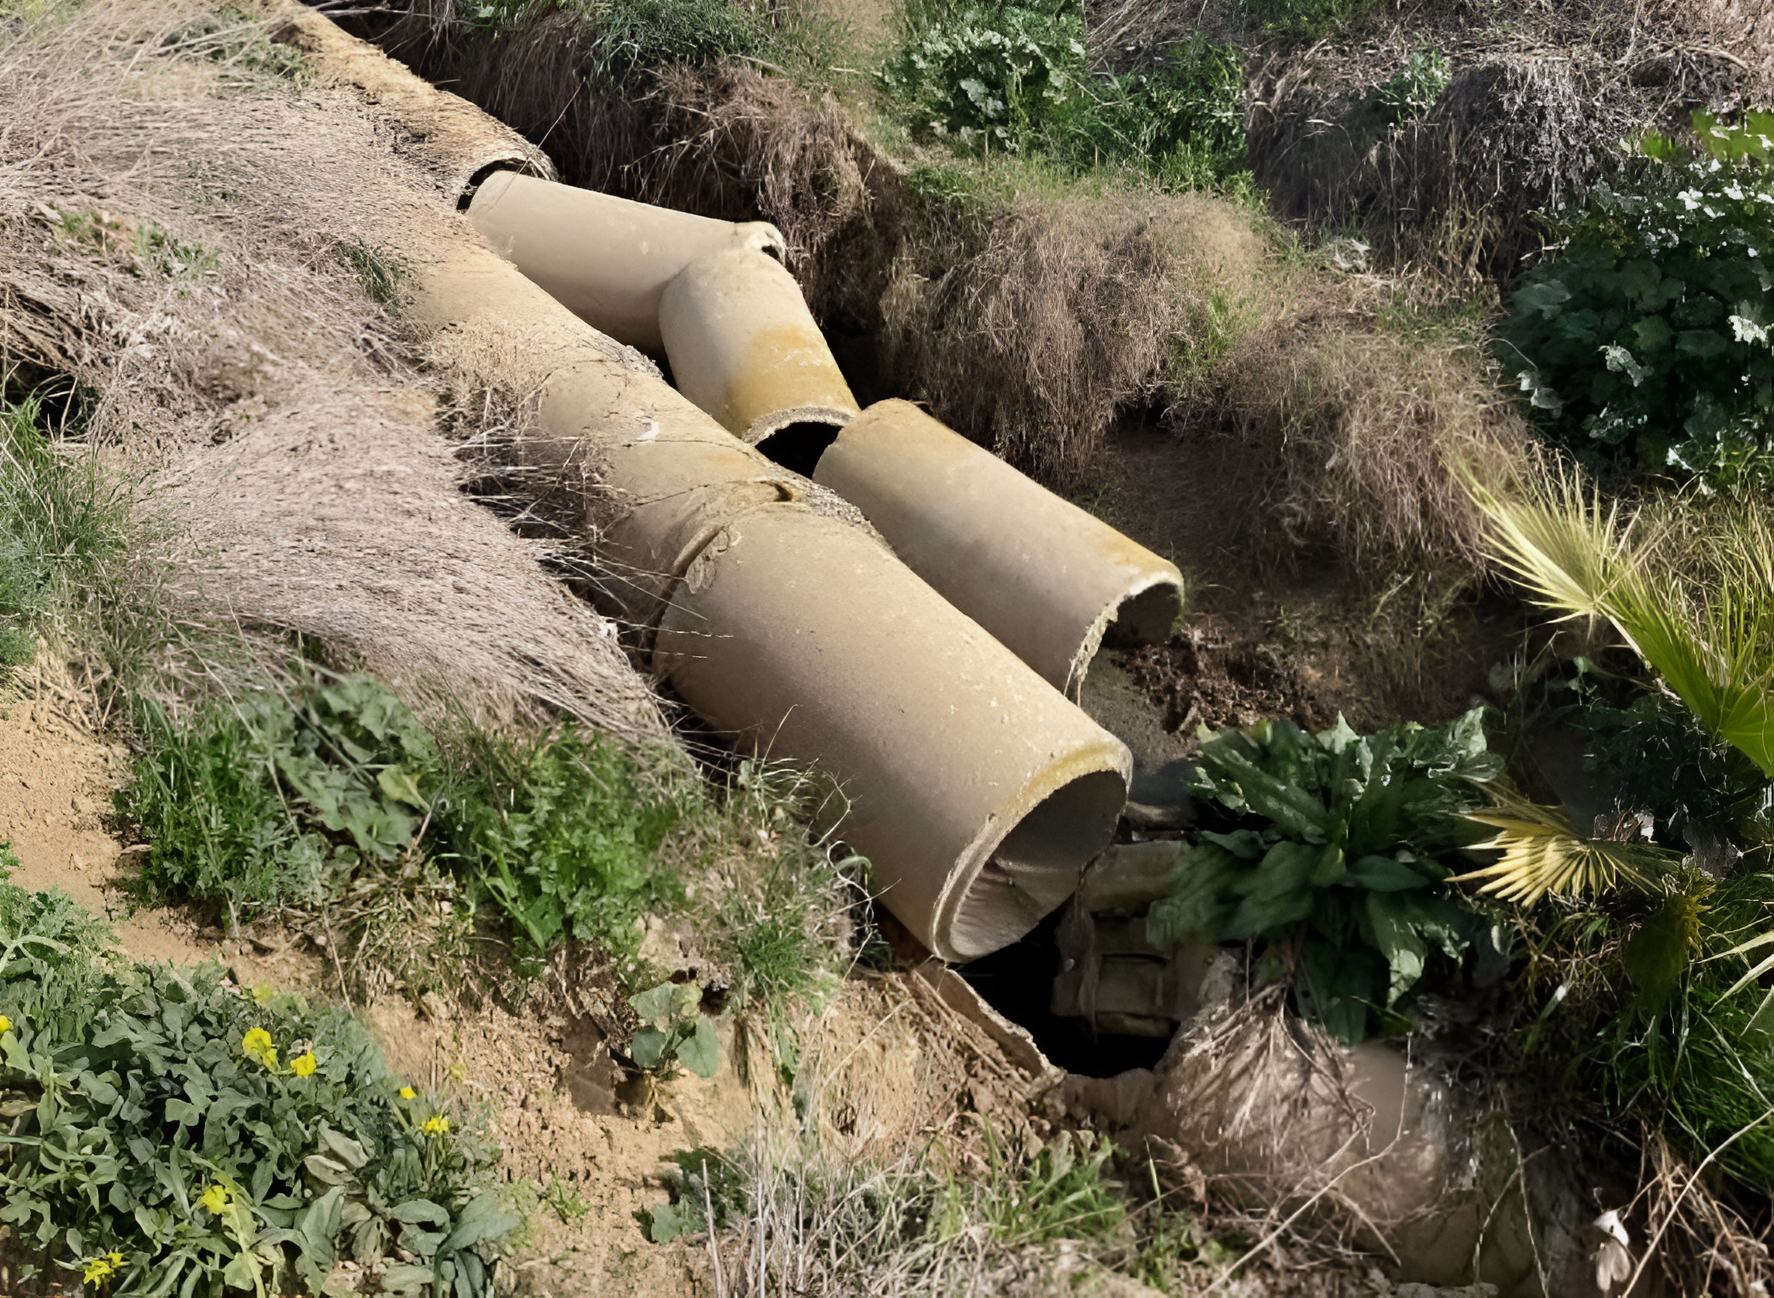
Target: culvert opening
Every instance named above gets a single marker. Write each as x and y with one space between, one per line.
1033 868
798 446
1145 617
1019 982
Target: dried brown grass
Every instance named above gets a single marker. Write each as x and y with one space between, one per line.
202 288
1356 432
1031 325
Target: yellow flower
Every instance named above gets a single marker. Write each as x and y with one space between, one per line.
303 1064
102 1268
217 1198
5 1024
435 1126
408 1093
256 1044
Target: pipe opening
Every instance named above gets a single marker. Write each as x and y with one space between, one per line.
798 446
1035 867
1145 617
1018 982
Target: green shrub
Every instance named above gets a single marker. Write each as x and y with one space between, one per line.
1412 91
263 800
1306 20
1331 846
1647 336
61 523
267 800
1018 78
563 834
162 1131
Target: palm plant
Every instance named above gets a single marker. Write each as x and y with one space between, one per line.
1691 590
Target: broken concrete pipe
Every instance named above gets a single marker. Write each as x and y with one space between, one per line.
974 788
1046 578
744 347
607 260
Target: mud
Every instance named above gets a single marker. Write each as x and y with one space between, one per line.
1212 674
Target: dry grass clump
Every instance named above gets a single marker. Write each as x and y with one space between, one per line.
1357 433
1030 325
165 247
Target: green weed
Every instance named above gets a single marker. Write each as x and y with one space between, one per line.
1646 335
381 273
1018 78
1331 848
1307 20
63 525
168 1130
1411 91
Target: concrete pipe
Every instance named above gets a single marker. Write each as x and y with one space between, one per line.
744 347
459 144
976 790
1046 578
644 472
605 259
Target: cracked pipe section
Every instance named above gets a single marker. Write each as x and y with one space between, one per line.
1046 578
607 260
744 347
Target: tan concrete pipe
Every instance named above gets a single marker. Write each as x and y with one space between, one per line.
459 144
744 347
1045 577
605 259
976 790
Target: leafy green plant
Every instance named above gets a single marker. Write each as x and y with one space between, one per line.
992 75
1018 77
1411 91
1646 337
562 834
676 1031
301 797
1331 848
162 1131
262 799
1306 19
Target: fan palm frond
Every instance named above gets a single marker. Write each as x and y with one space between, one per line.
1544 852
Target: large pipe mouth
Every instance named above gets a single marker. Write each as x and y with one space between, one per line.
1031 869
798 442
1146 614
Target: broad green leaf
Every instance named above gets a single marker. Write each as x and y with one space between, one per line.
657 1005
1383 874
398 783
699 1052
667 1221
1399 942
648 1048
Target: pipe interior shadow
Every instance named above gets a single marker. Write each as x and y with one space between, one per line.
797 447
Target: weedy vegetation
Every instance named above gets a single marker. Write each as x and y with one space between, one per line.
165 1130
1644 341
1332 849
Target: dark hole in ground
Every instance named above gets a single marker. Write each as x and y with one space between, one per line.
859 361
1018 983
798 447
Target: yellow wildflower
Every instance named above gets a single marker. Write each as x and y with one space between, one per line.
102 1268
435 1126
303 1064
217 1198
256 1044
408 1093
5 1024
